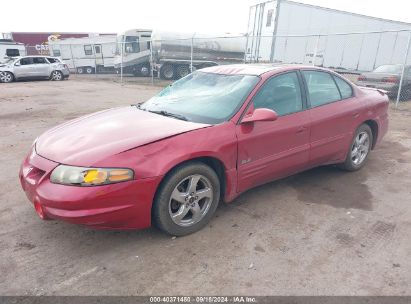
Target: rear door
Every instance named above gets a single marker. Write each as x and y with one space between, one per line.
335 114
41 67
269 150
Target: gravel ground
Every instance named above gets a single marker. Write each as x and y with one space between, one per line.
322 232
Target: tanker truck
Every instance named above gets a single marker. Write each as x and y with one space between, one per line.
175 55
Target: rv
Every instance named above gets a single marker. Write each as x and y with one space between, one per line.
86 55
133 52
10 48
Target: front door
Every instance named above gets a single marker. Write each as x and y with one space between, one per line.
268 150
24 68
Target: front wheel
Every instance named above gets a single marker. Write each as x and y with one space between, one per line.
359 149
6 77
187 199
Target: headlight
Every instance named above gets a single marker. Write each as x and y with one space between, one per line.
80 176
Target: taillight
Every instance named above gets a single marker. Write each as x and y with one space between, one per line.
391 79
362 78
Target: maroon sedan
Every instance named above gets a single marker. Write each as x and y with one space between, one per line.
208 137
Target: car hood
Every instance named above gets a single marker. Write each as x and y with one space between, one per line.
89 139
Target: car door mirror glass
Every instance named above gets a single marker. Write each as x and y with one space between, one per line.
261 114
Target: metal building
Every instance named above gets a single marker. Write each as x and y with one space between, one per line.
292 32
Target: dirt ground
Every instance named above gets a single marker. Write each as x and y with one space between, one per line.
322 232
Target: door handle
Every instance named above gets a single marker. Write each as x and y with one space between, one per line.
301 129
355 115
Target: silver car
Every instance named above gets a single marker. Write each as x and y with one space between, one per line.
387 77
33 67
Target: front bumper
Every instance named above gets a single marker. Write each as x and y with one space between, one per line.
124 205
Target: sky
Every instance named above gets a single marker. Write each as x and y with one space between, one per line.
210 16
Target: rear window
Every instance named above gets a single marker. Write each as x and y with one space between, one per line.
345 88
52 60
39 60
321 88
389 68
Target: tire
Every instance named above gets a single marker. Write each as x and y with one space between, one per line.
178 211
359 150
89 70
57 76
167 71
182 70
145 70
6 77
80 70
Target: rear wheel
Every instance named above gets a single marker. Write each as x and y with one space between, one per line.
182 70
359 149
80 70
187 199
57 76
89 70
167 71
6 77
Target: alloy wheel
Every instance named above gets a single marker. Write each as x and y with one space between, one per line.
190 200
6 77
360 148
56 75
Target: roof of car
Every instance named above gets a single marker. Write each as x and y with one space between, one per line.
251 69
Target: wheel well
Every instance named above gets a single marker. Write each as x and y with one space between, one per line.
212 162
374 129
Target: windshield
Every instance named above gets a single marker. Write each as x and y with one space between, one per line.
203 97
392 69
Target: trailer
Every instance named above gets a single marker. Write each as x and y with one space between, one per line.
285 31
10 48
85 55
175 55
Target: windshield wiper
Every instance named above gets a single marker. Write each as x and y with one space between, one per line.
168 114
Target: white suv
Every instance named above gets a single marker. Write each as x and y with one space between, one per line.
30 67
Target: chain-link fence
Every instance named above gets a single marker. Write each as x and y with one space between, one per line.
373 59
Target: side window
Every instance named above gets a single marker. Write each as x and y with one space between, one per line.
12 52
321 88
52 60
345 88
280 93
97 48
26 61
88 50
39 60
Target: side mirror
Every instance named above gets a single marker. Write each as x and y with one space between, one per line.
17 63
261 114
